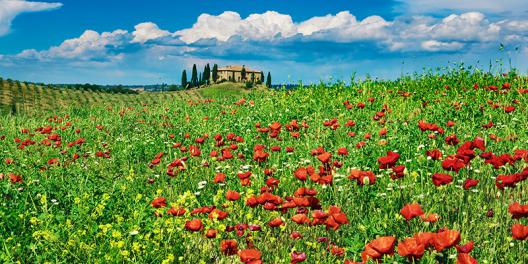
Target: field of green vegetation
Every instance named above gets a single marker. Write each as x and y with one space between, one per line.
429 168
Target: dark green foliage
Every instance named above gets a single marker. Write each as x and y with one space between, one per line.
243 73
194 77
268 80
215 73
184 79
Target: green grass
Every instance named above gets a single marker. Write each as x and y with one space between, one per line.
98 210
223 90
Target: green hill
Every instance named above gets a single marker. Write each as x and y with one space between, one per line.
20 97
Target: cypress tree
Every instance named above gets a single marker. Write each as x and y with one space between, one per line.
233 77
207 74
253 77
194 77
261 77
215 73
268 80
184 79
243 73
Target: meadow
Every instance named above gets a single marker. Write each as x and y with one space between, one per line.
428 168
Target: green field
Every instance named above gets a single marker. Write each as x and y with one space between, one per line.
170 177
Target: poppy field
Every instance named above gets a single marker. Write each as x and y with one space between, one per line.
430 168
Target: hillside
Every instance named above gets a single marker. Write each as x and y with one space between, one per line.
20 97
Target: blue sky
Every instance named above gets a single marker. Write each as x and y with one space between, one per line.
145 42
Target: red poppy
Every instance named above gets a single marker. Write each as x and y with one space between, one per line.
468 183
296 235
360 144
410 211
425 238
337 251
301 174
430 218
195 151
219 177
452 140
176 211
260 156
363 177
411 248
441 179
465 258
232 195
159 202
324 157
520 232
53 161
276 222
378 247
388 161
335 218
445 239
509 109
507 180
194 225
249 255
300 219
517 210
229 247
211 233
15 178
397 172
218 214
342 151
466 248
435 154
297 257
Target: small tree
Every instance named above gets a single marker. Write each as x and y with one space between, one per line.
215 73
243 73
184 79
233 77
268 80
261 77
206 74
252 77
194 77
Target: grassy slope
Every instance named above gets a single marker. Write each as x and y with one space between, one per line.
227 89
30 98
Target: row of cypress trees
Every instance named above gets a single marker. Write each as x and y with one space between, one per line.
208 75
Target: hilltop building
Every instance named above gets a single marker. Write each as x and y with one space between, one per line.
233 73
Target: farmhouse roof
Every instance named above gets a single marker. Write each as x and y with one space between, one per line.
237 68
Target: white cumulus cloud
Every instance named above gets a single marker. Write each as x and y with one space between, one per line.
89 45
9 9
264 26
148 31
434 45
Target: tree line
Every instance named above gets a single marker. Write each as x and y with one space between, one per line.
209 76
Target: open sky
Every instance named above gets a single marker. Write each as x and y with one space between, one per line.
152 41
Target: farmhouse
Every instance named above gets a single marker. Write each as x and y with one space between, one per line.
234 73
